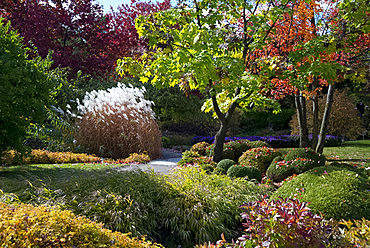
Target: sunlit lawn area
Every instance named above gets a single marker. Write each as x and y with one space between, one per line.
350 150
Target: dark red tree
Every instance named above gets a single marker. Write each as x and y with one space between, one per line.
78 32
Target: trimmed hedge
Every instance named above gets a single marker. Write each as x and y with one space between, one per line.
336 192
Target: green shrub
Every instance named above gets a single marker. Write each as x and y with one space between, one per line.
26 88
296 161
308 153
188 157
259 143
333 191
228 151
28 226
284 223
200 148
243 171
239 147
225 164
259 157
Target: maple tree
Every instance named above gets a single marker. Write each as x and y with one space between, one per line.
203 46
312 48
78 32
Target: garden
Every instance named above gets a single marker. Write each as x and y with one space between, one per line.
258 100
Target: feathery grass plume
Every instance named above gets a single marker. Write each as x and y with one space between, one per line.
117 122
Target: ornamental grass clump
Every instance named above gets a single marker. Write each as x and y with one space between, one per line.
118 122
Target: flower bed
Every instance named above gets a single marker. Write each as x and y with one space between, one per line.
282 141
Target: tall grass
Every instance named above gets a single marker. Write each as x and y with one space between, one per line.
118 122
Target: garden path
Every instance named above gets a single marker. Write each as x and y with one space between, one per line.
163 165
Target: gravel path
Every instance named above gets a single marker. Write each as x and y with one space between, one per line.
164 165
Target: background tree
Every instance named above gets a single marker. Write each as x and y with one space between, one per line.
81 36
203 46
310 50
24 91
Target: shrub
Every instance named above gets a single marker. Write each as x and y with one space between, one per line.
25 225
333 191
188 157
296 161
118 122
259 143
239 147
358 232
137 158
228 152
305 153
284 223
260 157
200 148
344 119
243 171
46 157
26 87
225 164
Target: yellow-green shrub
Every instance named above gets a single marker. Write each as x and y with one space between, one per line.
24 225
46 157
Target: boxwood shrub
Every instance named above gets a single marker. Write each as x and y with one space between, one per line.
243 171
259 157
336 192
225 164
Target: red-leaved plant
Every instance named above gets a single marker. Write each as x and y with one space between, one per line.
284 223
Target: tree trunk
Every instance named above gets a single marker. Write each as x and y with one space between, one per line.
219 142
325 119
300 103
315 111
225 120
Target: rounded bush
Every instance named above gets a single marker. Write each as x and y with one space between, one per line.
228 151
259 143
188 157
118 122
200 148
333 191
296 161
28 226
239 147
243 171
225 164
259 157
307 153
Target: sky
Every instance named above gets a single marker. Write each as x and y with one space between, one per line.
114 3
